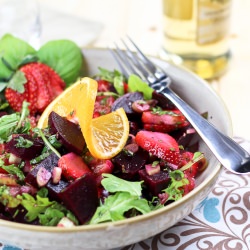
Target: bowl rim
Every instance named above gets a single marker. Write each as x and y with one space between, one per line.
82 228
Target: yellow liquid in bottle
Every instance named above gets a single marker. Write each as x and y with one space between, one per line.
196 34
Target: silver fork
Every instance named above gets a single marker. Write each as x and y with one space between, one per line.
227 151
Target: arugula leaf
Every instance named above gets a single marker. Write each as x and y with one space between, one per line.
116 205
177 181
64 56
54 214
34 206
114 184
136 84
48 212
12 51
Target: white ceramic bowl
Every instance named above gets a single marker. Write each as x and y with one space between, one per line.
111 235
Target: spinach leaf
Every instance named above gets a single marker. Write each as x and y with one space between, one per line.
64 56
12 52
136 84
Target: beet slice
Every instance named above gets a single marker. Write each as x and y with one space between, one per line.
69 132
49 163
81 197
126 101
26 153
155 183
128 164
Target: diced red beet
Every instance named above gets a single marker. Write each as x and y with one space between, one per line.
81 197
26 153
56 189
69 132
49 163
155 183
128 164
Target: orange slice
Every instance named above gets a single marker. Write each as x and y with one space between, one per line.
106 135
78 99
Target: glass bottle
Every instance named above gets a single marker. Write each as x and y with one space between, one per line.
196 34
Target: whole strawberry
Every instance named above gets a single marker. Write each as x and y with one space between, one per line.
42 85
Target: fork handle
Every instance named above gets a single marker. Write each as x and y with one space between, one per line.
228 152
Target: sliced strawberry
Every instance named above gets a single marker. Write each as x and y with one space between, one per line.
16 99
159 144
164 121
42 86
73 166
57 85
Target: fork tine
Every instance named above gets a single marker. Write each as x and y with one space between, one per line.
135 60
158 72
123 60
118 60
146 61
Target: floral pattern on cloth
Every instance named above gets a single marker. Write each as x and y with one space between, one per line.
220 222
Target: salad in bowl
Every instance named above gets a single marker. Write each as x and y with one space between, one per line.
81 153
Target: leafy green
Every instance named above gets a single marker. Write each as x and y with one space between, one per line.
47 143
6 199
174 190
54 214
136 84
115 77
126 197
119 84
48 212
64 56
12 52
12 169
114 184
8 124
108 75
14 123
116 205
23 143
